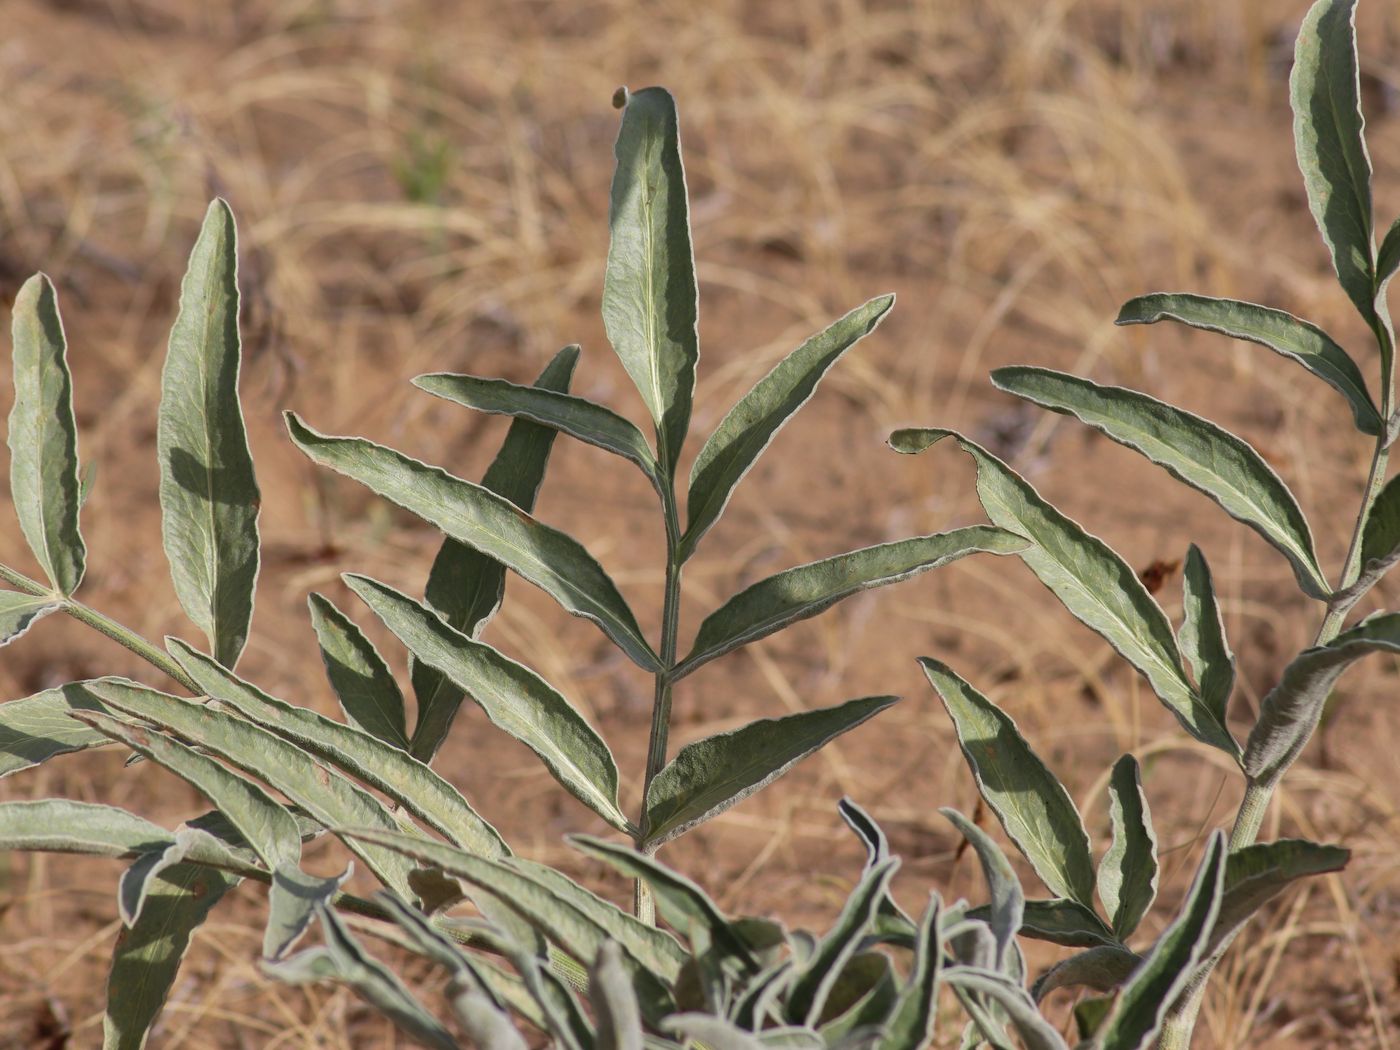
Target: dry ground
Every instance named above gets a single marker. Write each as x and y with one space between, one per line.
423 186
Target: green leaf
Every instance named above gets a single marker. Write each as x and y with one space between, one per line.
135 884
1094 582
650 300
148 955
1292 709
576 416
36 728
749 427
473 515
1328 133
465 586
1090 1014
892 924
1202 635
1164 974
615 1003
1380 539
1036 1033
1032 805
1387 261
1103 969
19 612
1281 332
1128 874
513 697
401 777
863 996
1008 900
43 438
1193 450
56 825
485 1023
362 681
208 494
1063 922
710 775
814 979
1256 874
710 1031
327 796
915 1015
796 594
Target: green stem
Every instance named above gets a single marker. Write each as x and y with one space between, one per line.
123 636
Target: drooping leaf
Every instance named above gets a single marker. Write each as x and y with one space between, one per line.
327 796
38 727
513 697
135 883
58 825
1095 584
650 300
1128 873
465 586
1103 969
1156 984
578 417
1193 450
362 681
403 778
208 493
892 923
1031 803
614 1001
148 954
473 515
19 612
1292 709
1035 1031
915 1016
1256 874
1281 332
1008 900
43 438
710 775
749 427
1328 133
1202 635
796 594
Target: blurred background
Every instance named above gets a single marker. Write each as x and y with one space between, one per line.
423 186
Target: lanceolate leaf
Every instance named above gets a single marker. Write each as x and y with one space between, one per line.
1292 709
44 438
911 1024
1036 1033
473 515
148 955
1008 900
56 825
465 586
1328 135
1380 540
1103 969
1192 449
513 697
1064 922
1128 873
38 727
208 495
649 293
1256 874
362 681
1283 333
576 416
1155 985
710 775
19 612
796 594
614 1001
1092 581
746 431
1202 635
402 778
1032 805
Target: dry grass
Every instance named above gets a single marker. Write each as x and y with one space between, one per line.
422 186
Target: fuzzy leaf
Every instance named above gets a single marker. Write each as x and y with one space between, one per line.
614 1001
710 775
465 586
710 1031
43 438
1193 450
749 427
1103 969
401 777
362 681
796 594
474 515
1202 635
1128 874
36 728
1063 922
1281 332
19 612
1155 986
892 924
915 1015
208 494
863 996
1380 539
1256 874
1036 1033
513 697
1032 805
1008 900
57 825
1292 709
650 300
1093 582
485 1023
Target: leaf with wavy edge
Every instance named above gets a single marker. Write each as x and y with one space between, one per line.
362 681
1128 873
